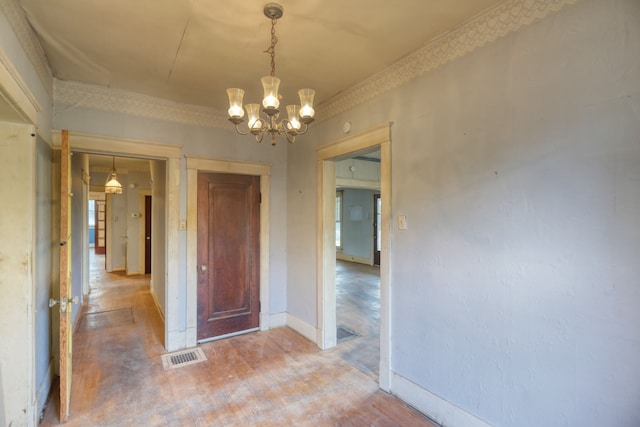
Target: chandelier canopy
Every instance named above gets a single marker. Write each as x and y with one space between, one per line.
299 116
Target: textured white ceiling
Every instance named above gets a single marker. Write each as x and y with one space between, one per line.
190 51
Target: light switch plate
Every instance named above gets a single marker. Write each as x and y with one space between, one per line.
402 222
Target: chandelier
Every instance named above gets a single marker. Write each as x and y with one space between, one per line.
299 116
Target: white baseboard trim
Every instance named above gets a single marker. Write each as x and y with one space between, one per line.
44 389
278 320
302 327
360 260
157 304
438 409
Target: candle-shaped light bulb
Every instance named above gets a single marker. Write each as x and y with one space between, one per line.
235 102
270 85
306 102
294 119
253 114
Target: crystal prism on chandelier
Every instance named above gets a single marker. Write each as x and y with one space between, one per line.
299 116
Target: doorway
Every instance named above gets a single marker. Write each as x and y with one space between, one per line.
379 137
196 165
165 161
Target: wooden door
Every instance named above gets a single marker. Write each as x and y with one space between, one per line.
101 228
147 234
377 228
65 303
228 254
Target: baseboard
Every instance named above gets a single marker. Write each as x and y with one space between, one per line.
351 258
435 407
81 311
44 389
278 320
157 304
302 327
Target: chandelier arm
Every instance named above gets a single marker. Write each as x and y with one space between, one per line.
240 131
291 137
303 129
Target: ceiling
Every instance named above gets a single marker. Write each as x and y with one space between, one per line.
190 51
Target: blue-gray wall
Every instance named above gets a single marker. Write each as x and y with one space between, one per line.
516 287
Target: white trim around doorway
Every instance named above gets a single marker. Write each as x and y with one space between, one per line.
174 335
326 255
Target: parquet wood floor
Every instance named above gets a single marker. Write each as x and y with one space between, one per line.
273 378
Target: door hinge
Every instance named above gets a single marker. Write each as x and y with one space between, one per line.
259 197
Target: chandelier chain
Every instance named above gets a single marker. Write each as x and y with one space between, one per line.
272 49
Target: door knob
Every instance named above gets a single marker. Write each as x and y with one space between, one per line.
63 303
203 267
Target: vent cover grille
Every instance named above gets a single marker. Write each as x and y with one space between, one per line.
182 358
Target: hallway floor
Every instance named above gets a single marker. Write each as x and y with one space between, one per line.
273 378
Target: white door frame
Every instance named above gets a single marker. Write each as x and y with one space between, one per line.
326 253
173 332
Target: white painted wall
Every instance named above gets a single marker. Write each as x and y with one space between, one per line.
117 227
17 252
515 291
25 377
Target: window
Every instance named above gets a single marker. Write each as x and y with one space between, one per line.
338 220
92 213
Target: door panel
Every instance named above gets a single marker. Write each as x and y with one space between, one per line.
65 302
228 254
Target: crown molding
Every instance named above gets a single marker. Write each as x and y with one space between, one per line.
485 28
74 94
27 38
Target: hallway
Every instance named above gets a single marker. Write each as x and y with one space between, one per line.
273 378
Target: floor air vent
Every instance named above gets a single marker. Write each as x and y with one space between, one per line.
182 358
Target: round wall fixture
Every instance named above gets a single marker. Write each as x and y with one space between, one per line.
346 127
